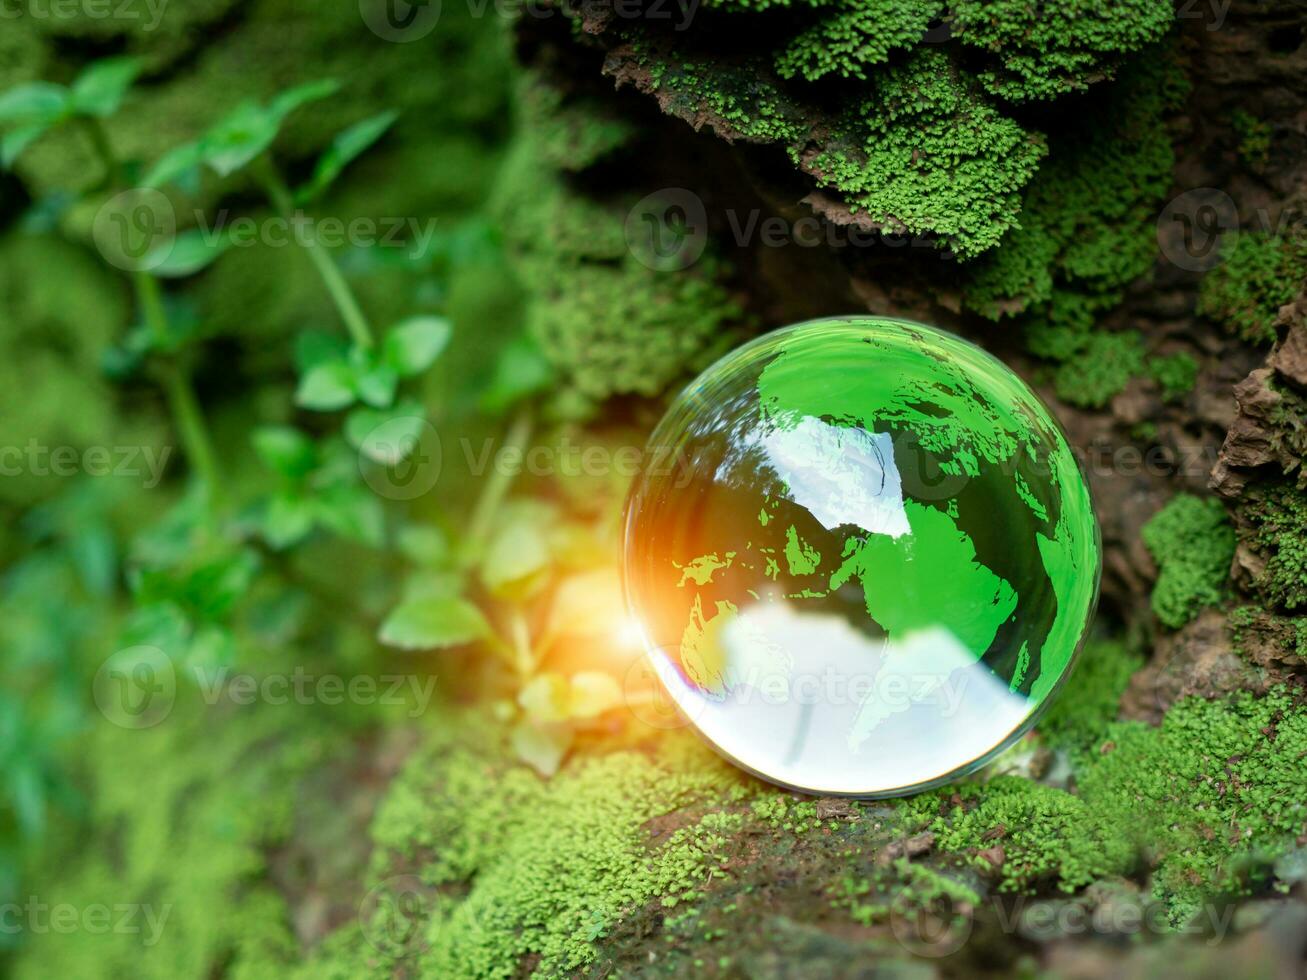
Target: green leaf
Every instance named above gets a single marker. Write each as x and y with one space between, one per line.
188 253
27 796
14 142
547 697
542 747
376 385
34 102
352 512
285 450
291 99
180 165
287 519
326 387
521 370
314 347
387 437
430 624
245 133
413 345
592 693
516 556
344 149
99 90
425 545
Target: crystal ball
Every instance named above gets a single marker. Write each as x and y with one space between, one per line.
862 555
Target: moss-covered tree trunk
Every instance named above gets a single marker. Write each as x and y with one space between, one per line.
1110 200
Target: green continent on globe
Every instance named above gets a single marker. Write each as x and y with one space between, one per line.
910 556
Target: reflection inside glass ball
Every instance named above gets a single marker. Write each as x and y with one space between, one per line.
862 554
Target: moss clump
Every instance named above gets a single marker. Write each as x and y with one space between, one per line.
609 323
1047 835
1086 225
1192 541
1047 50
1100 369
1080 715
856 34
182 818
927 154
1175 374
1278 520
1254 138
545 868
1258 275
1214 793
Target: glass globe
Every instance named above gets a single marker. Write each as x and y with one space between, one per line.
862 555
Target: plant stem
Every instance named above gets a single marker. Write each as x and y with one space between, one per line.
497 486
341 295
182 403
185 407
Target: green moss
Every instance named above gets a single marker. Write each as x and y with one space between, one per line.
1174 373
1047 835
608 323
1086 228
1100 369
1048 50
544 868
1258 275
927 155
1288 634
182 816
1213 794
1278 520
855 34
742 99
569 133
1077 720
1192 541
1254 138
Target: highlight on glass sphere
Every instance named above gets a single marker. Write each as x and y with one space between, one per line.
862 554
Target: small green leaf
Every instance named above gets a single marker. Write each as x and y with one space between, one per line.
425 545
99 90
14 142
413 345
353 512
516 555
547 697
592 693
430 624
293 98
34 102
245 133
180 165
190 252
314 347
326 387
387 437
287 519
521 370
376 385
344 149
542 747
285 450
